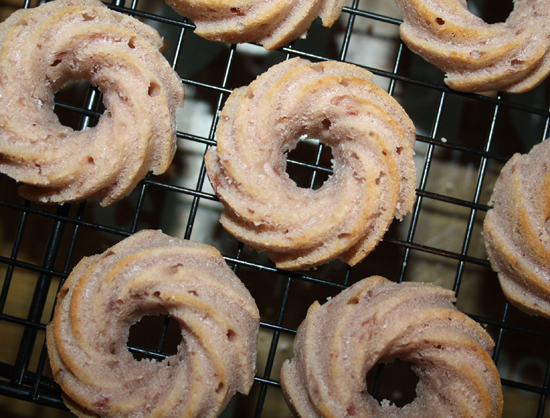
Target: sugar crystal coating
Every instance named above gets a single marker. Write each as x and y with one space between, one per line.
515 230
378 321
146 274
43 48
373 180
511 56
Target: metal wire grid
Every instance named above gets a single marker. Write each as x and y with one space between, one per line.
59 236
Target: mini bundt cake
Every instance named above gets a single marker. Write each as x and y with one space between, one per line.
146 274
376 320
43 48
509 56
515 230
373 179
272 23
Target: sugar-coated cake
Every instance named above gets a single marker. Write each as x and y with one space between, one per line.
45 47
378 321
515 230
146 274
373 180
511 56
272 23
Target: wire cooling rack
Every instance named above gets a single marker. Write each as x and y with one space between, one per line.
463 142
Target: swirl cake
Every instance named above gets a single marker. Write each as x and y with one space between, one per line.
376 320
152 273
373 179
509 56
43 48
516 232
272 23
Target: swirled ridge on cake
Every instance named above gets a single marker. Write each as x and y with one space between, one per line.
515 230
152 273
272 23
376 320
509 56
43 48
373 179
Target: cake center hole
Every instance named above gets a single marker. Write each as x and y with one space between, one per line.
78 105
153 335
491 11
309 162
396 382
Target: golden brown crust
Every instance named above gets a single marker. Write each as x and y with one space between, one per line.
45 47
376 320
151 273
509 56
373 179
516 232
272 23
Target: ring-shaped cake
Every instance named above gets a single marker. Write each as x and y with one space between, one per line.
146 274
272 23
516 230
378 321
43 48
509 56
373 180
